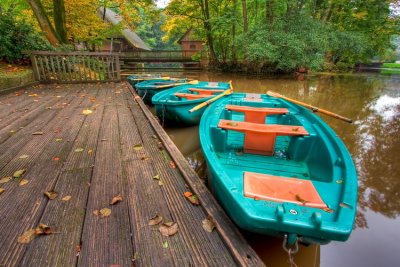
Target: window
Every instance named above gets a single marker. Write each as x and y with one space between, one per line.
192 47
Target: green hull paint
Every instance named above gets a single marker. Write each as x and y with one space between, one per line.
172 109
147 89
320 157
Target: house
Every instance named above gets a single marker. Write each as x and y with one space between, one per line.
127 41
190 43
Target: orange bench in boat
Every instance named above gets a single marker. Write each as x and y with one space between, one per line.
205 91
256 115
281 189
260 138
190 96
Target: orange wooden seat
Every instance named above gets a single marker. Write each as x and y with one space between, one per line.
260 138
281 189
256 115
205 91
190 96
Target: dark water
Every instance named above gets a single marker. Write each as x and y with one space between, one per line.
373 102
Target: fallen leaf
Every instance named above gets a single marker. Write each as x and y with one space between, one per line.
192 198
33 95
339 181
300 199
27 237
208 225
105 212
5 179
79 149
66 198
90 151
43 229
144 158
2 190
56 158
23 182
156 177
168 229
96 212
78 250
37 133
232 124
137 147
87 112
58 139
173 166
155 220
50 194
19 173
23 156
116 199
160 183
165 244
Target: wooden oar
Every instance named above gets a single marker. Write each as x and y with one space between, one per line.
176 84
313 108
224 93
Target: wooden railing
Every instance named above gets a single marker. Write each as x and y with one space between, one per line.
164 55
75 67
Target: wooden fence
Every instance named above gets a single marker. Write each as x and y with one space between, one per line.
75 67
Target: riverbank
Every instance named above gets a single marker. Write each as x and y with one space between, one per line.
12 76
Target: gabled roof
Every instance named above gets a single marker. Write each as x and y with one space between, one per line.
129 35
188 36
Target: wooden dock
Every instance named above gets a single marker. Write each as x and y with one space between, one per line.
117 149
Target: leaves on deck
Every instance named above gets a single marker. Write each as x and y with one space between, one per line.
19 173
105 212
23 182
66 198
208 224
33 95
31 234
79 149
58 139
56 158
87 112
23 156
168 229
165 244
116 199
137 147
156 177
172 164
192 198
5 179
37 133
51 194
2 190
155 220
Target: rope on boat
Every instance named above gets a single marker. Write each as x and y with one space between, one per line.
291 250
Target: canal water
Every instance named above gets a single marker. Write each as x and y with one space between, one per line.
373 102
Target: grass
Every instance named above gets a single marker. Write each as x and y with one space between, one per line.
391 65
13 71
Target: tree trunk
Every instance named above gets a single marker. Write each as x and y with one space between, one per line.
207 26
244 13
44 22
269 11
59 20
234 31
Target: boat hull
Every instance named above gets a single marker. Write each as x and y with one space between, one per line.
147 89
336 183
173 110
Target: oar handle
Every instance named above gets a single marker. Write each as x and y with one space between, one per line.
313 108
206 103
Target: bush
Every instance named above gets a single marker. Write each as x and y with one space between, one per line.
17 36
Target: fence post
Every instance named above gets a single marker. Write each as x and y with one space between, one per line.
118 67
35 67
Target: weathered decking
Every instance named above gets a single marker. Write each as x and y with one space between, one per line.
92 158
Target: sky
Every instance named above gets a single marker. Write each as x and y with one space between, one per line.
162 3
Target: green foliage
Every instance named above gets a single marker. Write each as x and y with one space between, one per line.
391 65
16 36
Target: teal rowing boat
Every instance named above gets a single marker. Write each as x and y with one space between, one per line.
173 105
147 89
279 169
136 78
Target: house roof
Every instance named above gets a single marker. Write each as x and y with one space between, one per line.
129 35
188 36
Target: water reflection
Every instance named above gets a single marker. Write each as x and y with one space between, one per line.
373 102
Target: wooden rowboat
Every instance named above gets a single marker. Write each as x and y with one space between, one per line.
279 169
173 105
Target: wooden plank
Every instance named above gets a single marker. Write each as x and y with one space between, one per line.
107 241
167 200
74 181
26 204
233 239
